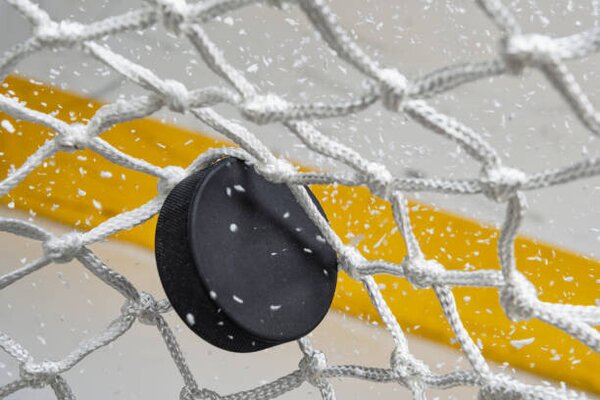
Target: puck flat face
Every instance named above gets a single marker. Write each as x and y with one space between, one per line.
241 262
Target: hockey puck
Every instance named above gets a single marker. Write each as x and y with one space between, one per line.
240 260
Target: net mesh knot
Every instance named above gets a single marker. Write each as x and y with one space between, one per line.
350 260
75 137
518 297
379 180
38 375
63 33
534 50
170 177
145 308
422 273
176 96
409 370
393 88
501 183
312 366
263 109
62 249
277 171
173 14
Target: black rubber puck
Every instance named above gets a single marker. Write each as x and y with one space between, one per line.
240 261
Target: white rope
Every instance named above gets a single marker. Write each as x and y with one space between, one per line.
397 93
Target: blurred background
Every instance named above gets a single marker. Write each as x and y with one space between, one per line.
522 117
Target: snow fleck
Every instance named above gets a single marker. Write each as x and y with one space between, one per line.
213 294
292 22
190 319
8 126
307 250
239 188
275 307
97 204
106 174
228 191
233 228
42 340
380 241
517 344
237 299
286 215
252 69
228 21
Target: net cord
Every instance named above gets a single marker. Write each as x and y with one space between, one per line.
398 94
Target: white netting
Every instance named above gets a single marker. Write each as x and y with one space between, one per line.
500 183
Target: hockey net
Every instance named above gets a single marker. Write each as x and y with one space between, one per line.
497 181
